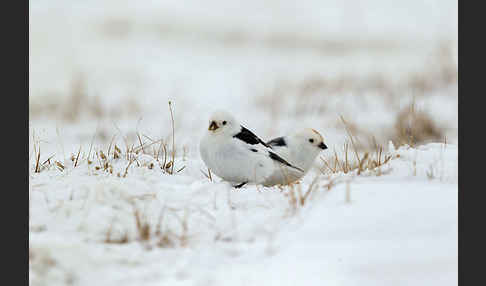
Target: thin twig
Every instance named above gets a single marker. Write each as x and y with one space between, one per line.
351 138
173 138
77 157
109 147
141 144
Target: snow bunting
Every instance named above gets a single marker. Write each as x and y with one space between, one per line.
235 154
300 149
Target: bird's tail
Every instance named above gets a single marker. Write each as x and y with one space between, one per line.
281 160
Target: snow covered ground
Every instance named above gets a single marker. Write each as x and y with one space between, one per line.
399 228
102 73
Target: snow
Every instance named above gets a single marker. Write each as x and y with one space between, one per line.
278 67
397 228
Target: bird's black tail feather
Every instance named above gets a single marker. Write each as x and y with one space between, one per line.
281 160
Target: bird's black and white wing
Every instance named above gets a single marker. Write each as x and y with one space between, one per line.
248 137
257 145
279 141
277 158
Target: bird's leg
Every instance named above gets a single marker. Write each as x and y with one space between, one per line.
240 185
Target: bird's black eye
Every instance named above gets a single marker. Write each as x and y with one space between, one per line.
311 140
224 122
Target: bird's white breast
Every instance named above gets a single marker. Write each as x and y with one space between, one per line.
232 160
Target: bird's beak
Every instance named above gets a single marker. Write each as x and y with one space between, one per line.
322 146
213 126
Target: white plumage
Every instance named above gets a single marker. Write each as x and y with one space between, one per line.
235 154
299 149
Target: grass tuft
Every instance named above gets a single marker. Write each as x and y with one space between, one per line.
371 160
414 126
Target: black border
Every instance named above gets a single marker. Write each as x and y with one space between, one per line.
14 214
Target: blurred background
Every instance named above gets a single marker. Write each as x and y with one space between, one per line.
389 68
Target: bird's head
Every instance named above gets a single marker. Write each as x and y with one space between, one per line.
311 138
221 122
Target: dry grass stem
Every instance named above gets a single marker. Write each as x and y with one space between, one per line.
173 138
60 166
351 138
77 157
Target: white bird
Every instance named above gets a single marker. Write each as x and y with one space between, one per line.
300 149
235 154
